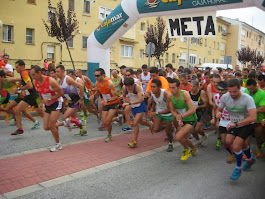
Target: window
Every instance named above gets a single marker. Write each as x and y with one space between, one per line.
126 51
194 41
166 57
193 59
31 1
86 7
222 46
71 5
173 57
29 36
209 50
183 39
243 33
50 52
204 60
51 12
205 42
142 26
141 54
182 58
84 42
70 42
216 61
213 60
200 60
219 28
104 12
7 33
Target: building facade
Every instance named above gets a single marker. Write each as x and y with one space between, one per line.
23 36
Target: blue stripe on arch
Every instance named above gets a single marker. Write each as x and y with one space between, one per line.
91 67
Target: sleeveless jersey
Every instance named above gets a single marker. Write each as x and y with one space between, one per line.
132 96
186 89
214 92
146 79
70 91
225 119
8 87
46 90
183 108
25 77
161 104
115 83
171 75
106 93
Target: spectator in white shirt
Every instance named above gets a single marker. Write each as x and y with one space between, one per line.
8 68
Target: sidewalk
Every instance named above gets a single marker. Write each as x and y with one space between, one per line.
30 169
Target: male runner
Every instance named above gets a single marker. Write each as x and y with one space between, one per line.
259 98
184 84
138 107
74 93
183 109
50 93
145 77
162 111
224 120
243 113
110 100
31 97
170 72
200 101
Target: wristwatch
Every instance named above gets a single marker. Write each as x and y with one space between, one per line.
236 124
130 103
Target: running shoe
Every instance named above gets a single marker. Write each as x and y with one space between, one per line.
170 148
236 174
132 144
35 125
231 159
218 143
248 164
17 132
185 154
115 122
56 148
68 124
108 138
81 132
103 128
193 152
127 128
206 126
120 117
263 144
12 122
259 153
204 140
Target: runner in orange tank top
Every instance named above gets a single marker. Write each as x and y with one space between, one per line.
110 100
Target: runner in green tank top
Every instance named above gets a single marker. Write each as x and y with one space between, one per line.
183 109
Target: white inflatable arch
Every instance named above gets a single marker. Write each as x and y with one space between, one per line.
128 12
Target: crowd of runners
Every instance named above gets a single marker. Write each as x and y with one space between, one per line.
183 102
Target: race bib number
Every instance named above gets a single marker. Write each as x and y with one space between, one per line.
46 96
236 118
67 97
196 103
27 92
106 96
181 111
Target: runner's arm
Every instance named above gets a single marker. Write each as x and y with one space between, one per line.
113 91
123 94
119 83
252 117
210 96
204 99
71 81
89 82
56 88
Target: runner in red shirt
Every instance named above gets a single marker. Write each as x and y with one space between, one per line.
51 95
184 84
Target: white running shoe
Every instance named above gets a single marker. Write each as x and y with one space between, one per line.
68 124
56 148
204 140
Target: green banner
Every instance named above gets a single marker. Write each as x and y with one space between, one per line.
147 6
111 24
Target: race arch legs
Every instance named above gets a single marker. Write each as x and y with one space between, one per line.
128 12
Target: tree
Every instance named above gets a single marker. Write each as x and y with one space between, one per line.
244 55
155 34
257 59
62 27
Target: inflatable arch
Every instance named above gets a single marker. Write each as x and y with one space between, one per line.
128 12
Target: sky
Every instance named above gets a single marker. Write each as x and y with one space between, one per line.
253 16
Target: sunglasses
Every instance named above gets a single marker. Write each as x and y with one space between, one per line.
128 75
222 89
97 75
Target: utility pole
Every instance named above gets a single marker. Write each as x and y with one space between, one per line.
188 61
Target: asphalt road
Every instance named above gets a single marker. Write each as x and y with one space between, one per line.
163 175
